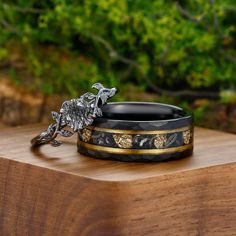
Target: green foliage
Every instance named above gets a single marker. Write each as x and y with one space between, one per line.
227 96
198 113
68 45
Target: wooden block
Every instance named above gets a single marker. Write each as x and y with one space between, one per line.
56 191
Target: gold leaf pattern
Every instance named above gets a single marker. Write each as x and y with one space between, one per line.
160 140
86 135
187 136
123 140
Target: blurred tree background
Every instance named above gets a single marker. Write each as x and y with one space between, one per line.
181 52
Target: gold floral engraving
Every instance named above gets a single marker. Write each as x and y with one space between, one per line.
187 136
86 135
160 140
123 140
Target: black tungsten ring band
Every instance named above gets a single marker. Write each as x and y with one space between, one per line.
138 131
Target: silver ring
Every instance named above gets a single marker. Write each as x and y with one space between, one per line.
75 113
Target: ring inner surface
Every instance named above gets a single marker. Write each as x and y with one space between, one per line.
141 111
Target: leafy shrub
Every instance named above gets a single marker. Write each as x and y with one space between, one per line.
67 45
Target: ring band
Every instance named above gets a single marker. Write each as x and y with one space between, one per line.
76 114
138 140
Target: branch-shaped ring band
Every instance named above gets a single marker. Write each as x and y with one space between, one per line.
76 114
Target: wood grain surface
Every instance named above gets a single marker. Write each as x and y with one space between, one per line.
56 191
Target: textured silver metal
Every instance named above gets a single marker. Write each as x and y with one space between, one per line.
76 114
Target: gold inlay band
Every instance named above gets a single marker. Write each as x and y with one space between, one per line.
119 131
134 151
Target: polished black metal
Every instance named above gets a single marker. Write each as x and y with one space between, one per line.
160 131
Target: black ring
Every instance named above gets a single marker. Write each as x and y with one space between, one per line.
138 131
